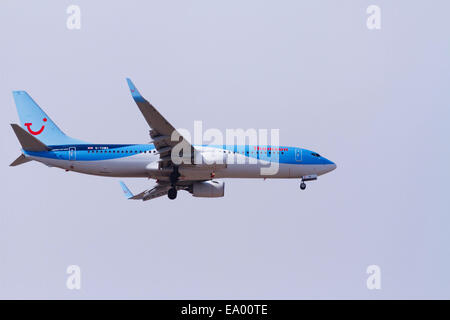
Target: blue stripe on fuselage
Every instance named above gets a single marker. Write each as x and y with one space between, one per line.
93 152
97 152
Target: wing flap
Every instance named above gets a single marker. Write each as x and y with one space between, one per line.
158 191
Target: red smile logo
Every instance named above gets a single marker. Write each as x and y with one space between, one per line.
29 124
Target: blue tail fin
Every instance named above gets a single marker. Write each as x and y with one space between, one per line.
35 121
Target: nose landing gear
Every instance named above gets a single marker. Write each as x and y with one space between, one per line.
307 178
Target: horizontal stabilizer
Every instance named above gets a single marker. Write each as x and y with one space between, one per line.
20 160
28 142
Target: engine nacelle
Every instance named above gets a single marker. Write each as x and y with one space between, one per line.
208 189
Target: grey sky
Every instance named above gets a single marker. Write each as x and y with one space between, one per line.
374 102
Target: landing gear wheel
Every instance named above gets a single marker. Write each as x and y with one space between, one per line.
303 186
172 194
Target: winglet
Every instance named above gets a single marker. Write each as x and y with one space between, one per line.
126 191
134 91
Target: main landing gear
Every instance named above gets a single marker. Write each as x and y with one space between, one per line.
172 193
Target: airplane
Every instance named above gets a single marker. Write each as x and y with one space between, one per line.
43 141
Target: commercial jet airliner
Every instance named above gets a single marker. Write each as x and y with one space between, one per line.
43 141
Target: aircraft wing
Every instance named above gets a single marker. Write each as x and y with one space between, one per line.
161 130
159 190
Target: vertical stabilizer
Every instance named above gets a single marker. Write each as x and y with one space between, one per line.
36 122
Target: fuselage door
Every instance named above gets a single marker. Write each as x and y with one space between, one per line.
72 153
298 154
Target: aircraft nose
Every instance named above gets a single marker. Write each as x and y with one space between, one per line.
330 166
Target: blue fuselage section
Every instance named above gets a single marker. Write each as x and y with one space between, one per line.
99 152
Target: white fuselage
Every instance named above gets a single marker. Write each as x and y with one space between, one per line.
221 164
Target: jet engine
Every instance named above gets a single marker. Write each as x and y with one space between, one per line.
208 189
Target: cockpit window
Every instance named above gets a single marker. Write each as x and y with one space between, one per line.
315 154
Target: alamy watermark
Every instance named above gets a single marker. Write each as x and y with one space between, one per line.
73 281
249 146
373 282
73 21
374 19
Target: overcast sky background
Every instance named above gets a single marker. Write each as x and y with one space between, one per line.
375 102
